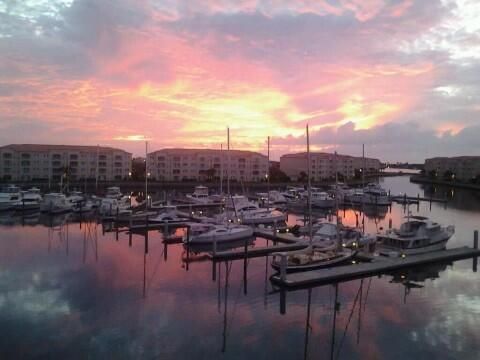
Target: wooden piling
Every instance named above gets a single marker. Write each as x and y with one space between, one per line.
245 264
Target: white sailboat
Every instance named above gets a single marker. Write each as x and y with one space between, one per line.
55 203
210 233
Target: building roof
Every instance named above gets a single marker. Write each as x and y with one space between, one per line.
323 154
45 147
190 151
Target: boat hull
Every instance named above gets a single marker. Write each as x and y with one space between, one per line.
340 260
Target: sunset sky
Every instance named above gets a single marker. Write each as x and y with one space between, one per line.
401 76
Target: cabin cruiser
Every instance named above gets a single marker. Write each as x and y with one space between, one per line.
325 235
55 203
199 195
30 200
210 233
341 191
9 196
240 209
113 192
416 236
112 206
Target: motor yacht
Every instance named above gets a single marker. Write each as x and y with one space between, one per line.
8 196
415 236
199 196
30 200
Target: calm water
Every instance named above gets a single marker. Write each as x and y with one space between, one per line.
73 293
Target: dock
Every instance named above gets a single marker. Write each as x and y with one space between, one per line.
361 270
255 252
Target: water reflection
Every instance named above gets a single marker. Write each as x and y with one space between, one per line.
69 291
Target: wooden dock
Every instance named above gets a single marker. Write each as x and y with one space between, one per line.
271 234
256 251
350 272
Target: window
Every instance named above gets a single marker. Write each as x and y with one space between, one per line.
73 157
7 156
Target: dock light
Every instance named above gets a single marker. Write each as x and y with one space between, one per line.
201 212
288 230
402 276
403 255
354 244
278 231
148 174
129 173
344 245
239 220
354 262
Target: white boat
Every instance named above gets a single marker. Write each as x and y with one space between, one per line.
416 236
321 199
274 198
239 208
30 200
372 194
113 192
210 233
293 193
199 195
312 258
112 206
55 203
9 195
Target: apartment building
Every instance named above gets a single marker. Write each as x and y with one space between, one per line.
460 167
24 162
323 165
203 164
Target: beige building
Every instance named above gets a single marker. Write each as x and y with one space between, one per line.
202 164
25 162
460 167
323 165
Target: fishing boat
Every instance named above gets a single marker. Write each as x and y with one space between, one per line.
210 233
417 235
55 203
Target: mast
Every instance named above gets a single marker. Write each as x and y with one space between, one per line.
309 190
363 186
96 169
268 173
221 169
228 162
339 242
146 175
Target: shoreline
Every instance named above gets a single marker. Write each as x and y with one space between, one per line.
453 184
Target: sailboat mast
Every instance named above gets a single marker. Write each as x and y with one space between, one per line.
221 169
268 173
146 175
309 190
96 169
339 241
228 161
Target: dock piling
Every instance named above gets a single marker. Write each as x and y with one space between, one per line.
245 263
475 246
283 267
390 223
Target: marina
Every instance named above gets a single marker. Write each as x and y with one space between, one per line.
149 263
